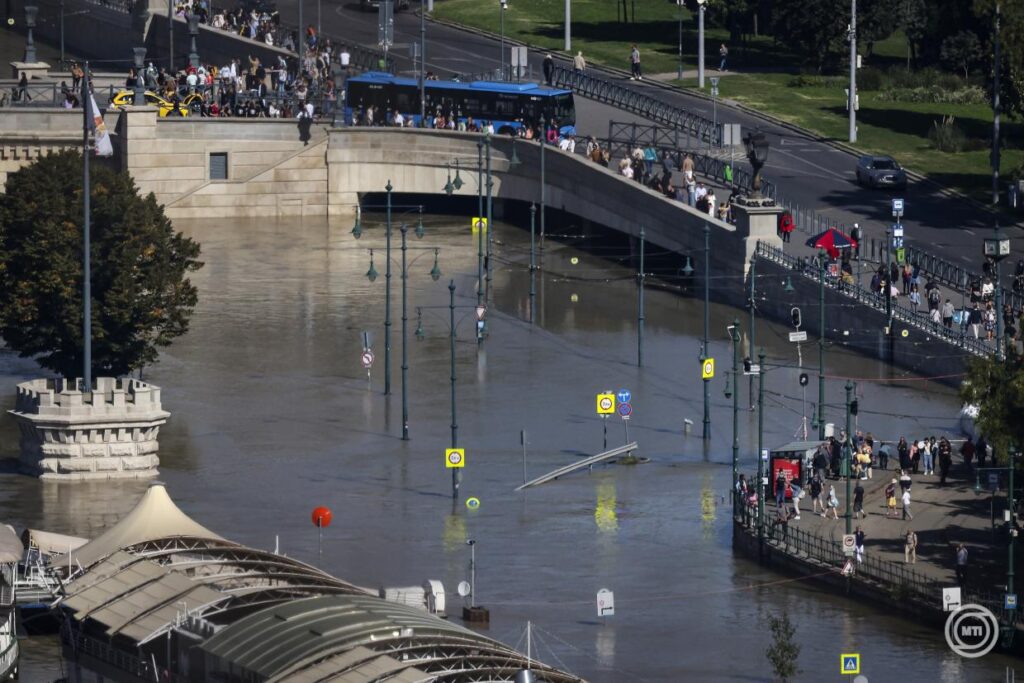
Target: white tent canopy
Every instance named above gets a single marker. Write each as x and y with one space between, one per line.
156 516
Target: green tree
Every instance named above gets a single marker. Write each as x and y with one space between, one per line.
914 15
997 389
1011 38
961 51
812 28
784 651
875 21
141 297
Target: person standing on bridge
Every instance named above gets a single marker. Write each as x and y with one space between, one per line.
961 564
723 52
579 65
636 74
945 459
906 505
910 548
549 69
859 537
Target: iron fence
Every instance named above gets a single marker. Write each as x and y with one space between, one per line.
854 291
620 96
624 137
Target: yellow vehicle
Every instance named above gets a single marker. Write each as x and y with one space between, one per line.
165 107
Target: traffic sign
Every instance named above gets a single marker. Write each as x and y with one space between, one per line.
707 370
605 404
848 567
897 230
798 336
472 503
849 663
624 396
897 207
625 410
951 599
605 603
479 223
849 544
993 481
454 457
1010 601
367 358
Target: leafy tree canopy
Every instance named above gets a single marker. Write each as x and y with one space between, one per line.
141 297
997 389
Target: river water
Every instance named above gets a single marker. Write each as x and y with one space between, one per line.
272 414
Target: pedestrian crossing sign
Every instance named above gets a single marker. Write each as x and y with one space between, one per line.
849 664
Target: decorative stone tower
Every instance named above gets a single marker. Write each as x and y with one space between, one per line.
109 433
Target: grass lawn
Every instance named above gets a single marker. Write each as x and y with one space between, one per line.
896 128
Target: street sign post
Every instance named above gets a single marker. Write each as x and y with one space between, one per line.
951 599
849 664
707 370
478 224
454 457
605 603
848 567
605 404
625 410
367 359
1010 601
624 396
897 207
800 336
849 544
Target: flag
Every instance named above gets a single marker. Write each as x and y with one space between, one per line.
103 146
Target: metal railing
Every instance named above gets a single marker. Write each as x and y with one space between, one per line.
630 100
956 337
81 643
624 137
126 6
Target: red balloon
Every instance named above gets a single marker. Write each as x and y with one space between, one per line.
322 516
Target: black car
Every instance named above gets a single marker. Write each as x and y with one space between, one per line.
374 5
881 171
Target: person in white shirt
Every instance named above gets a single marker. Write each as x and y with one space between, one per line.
399 120
701 191
712 204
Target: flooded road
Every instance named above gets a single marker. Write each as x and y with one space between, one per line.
272 414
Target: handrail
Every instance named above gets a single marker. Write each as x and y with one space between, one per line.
623 137
874 300
630 100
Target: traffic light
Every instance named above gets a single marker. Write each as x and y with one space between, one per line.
854 407
746 366
804 379
795 314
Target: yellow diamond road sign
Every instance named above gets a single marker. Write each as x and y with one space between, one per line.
454 457
606 404
849 664
707 368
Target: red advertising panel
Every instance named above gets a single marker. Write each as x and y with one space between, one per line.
791 467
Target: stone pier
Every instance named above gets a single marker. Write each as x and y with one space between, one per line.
71 435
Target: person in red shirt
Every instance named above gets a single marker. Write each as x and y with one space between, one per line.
786 225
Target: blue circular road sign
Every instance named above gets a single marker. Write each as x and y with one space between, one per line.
625 409
624 396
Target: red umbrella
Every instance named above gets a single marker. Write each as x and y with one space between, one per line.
832 241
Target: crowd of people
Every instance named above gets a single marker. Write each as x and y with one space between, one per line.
910 460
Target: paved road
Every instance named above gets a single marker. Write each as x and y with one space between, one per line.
807 171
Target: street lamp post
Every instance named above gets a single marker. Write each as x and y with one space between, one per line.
170 37
504 6
62 34
387 294
734 335
704 347
533 264
760 453
753 327
488 261
852 102
480 222
639 304
821 345
86 237
568 25
679 71
702 5
848 454
543 179
423 64
456 471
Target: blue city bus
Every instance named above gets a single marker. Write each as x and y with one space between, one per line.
509 106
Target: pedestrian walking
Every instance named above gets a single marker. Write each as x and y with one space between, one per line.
548 67
579 65
906 505
967 452
798 494
945 460
981 451
723 53
833 503
910 548
636 74
820 463
961 564
890 499
858 501
780 489
903 450
928 457
22 92
859 537
947 314
855 236
816 502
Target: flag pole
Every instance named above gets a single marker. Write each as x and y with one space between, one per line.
86 211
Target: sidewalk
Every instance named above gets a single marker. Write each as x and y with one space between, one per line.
943 518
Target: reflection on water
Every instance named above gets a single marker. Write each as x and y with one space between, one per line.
272 414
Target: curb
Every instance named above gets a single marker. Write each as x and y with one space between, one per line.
732 104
